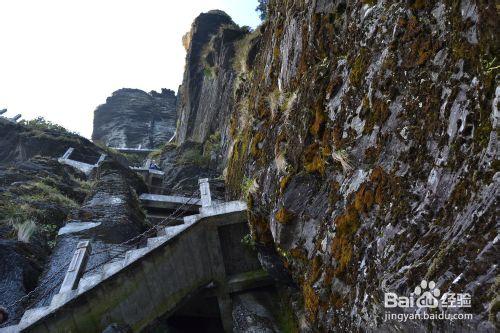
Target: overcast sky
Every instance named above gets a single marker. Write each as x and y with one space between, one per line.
60 59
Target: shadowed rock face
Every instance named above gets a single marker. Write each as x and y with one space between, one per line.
133 118
205 101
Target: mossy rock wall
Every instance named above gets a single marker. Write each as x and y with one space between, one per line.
370 129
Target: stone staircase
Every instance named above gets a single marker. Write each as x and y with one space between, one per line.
152 281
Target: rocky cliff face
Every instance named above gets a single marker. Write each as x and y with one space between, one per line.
363 135
36 195
112 205
206 94
133 118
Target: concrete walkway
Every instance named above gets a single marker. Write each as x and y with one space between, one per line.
153 281
82 166
127 150
170 202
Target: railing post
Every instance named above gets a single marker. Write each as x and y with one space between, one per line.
76 267
206 198
101 159
67 153
15 118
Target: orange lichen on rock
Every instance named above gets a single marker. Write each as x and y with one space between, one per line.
314 160
334 194
347 224
311 301
298 253
283 183
315 270
318 125
378 114
379 178
283 216
363 200
359 67
260 229
372 153
254 147
342 252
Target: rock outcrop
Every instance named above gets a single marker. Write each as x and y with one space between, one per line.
36 195
19 143
133 118
365 135
206 93
112 211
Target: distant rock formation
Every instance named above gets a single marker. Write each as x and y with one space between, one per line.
134 118
205 96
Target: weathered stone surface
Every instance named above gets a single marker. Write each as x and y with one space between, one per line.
366 133
132 118
19 270
112 206
205 96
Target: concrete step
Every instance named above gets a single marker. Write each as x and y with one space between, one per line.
156 219
32 315
174 230
133 255
156 241
171 202
161 230
60 299
89 281
112 267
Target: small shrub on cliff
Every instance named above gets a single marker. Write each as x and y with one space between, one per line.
262 9
193 156
157 153
212 145
41 192
209 72
42 124
85 185
249 185
248 241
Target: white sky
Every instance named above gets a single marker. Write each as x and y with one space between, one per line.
60 59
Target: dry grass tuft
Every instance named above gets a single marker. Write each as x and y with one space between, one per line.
25 230
342 157
281 163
